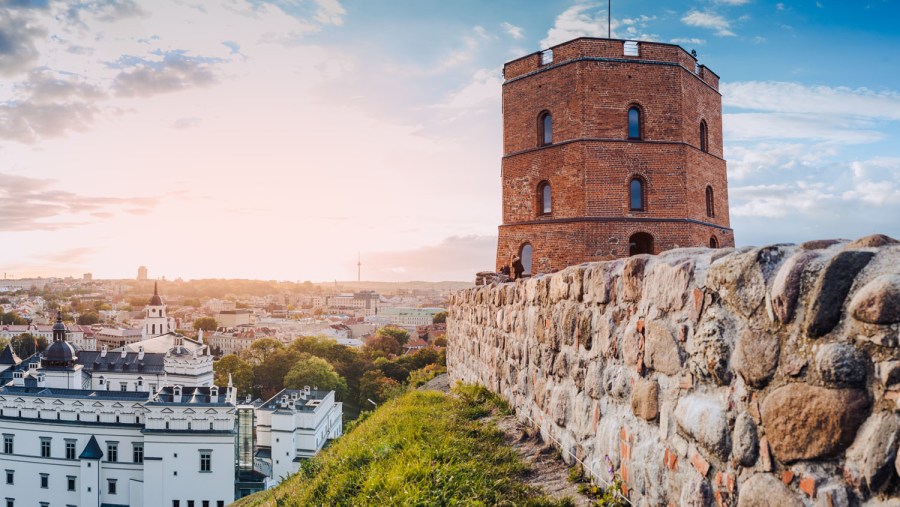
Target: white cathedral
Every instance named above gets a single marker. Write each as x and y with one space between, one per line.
144 425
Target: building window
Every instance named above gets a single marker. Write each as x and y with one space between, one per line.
111 486
45 481
704 137
205 503
138 453
713 242
190 503
176 503
112 451
545 128
545 203
205 461
526 255
220 503
45 447
7 444
634 123
637 199
710 203
70 482
10 476
10 502
70 449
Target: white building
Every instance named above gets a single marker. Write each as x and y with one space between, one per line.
142 437
406 317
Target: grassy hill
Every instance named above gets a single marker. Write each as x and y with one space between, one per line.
424 448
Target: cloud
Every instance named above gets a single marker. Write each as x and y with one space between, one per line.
578 21
732 2
454 258
29 204
516 32
49 105
18 37
753 126
692 40
185 123
786 97
482 92
330 12
708 20
106 11
175 71
768 159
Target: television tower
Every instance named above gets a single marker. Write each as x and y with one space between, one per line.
358 267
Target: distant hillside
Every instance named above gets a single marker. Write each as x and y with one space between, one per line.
424 448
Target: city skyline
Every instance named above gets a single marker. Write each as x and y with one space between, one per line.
282 140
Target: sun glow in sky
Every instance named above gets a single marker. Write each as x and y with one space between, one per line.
280 139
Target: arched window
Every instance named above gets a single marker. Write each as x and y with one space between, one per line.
526 256
640 243
713 242
634 123
637 199
545 128
545 203
704 137
710 203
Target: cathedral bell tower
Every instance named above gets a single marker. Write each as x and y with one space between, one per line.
155 320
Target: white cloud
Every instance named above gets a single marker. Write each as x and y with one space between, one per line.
483 91
708 20
785 97
823 127
580 20
330 12
692 40
767 159
516 32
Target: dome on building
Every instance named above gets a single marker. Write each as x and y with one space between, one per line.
60 354
156 300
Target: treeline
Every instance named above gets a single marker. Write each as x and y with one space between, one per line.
377 371
221 287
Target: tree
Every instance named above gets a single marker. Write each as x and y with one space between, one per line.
398 333
440 341
206 324
420 359
375 386
439 318
89 318
12 318
241 373
257 352
382 345
315 372
268 376
27 344
393 369
3 343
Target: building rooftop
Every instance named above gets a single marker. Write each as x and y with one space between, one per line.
301 400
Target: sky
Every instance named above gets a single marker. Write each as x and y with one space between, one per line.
287 139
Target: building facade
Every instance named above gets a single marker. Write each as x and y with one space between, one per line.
136 428
611 148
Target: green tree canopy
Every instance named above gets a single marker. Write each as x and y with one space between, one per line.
241 373
257 352
3 343
27 344
88 318
375 386
206 324
315 372
382 345
439 318
268 375
398 333
12 318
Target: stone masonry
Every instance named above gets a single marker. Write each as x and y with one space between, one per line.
756 376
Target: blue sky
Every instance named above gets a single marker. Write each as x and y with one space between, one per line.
276 140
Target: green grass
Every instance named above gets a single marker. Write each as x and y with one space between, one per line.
423 448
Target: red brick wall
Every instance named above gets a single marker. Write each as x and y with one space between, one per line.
591 161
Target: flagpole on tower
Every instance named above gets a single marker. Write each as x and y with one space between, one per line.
609 19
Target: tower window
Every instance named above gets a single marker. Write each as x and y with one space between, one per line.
704 137
710 202
713 242
545 128
634 123
637 200
545 203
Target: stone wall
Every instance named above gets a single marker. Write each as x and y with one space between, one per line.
758 376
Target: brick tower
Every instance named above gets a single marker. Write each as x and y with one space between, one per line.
610 148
